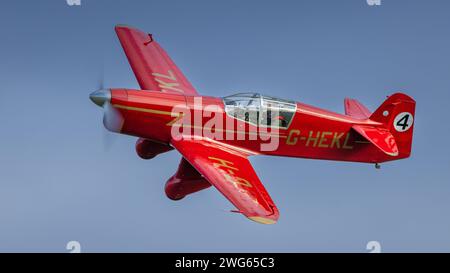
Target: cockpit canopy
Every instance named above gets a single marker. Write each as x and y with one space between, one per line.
258 109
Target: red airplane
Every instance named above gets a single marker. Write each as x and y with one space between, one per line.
215 136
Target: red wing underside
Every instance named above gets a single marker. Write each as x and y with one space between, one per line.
381 138
232 174
152 66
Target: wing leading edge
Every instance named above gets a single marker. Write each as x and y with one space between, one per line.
231 173
154 69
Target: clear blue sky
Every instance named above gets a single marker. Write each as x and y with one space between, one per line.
59 181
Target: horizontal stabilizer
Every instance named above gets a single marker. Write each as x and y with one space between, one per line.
355 109
379 137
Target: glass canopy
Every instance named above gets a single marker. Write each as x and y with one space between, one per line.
258 109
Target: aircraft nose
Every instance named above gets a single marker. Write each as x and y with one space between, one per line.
101 96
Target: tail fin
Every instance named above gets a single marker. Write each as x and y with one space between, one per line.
397 115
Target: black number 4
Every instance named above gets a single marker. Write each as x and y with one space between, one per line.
403 122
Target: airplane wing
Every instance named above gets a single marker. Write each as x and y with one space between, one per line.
231 173
152 66
381 138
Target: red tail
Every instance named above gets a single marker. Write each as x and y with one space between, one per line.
397 115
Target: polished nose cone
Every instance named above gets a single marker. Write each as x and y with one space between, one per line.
99 97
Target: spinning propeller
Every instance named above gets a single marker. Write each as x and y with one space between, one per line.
112 118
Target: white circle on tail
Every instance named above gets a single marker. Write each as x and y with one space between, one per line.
403 121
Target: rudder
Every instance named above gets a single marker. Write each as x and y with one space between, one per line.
397 115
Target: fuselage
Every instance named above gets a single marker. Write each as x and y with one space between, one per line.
310 132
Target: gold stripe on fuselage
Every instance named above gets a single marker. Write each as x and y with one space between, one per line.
145 110
179 115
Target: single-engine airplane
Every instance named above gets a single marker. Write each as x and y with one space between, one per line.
215 136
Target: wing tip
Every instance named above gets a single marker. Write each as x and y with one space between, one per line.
122 27
263 220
